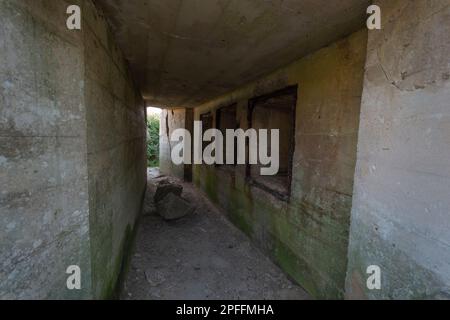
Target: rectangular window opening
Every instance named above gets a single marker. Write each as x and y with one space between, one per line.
275 111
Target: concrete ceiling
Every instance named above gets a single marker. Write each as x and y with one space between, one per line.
184 52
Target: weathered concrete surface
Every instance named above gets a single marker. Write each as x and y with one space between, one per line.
172 119
308 236
44 213
400 215
116 143
184 53
61 129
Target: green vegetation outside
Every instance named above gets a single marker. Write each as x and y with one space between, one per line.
153 141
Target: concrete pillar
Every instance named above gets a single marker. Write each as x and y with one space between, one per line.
172 119
400 216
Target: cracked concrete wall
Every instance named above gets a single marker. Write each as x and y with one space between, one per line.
308 235
59 123
400 216
172 119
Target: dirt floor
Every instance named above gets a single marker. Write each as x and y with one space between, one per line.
200 256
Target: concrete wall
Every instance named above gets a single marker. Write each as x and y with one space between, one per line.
71 125
307 236
116 144
400 215
44 224
172 119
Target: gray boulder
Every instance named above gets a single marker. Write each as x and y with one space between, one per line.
164 188
173 207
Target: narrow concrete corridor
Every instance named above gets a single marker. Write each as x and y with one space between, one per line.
358 176
200 256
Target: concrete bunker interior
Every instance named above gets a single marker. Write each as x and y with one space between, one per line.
364 171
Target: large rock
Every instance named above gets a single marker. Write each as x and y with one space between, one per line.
173 207
164 188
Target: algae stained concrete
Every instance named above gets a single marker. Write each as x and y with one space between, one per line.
116 157
59 124
307 235
400 215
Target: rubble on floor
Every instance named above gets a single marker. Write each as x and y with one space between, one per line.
202 256
173 207
168 201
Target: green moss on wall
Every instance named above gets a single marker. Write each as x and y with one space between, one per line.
308 236
210 184
114 281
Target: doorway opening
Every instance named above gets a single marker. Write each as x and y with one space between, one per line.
153 131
